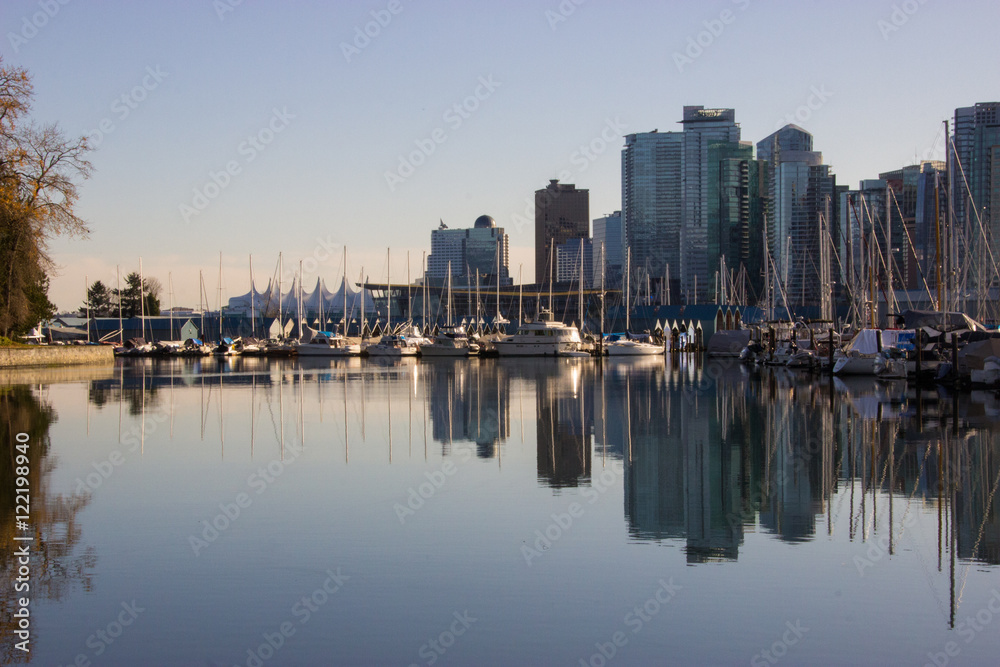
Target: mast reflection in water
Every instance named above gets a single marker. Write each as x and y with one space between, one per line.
839 503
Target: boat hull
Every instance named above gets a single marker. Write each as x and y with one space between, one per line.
633 350
517 349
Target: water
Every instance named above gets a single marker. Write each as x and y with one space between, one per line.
529 512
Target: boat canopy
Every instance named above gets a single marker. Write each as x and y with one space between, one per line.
915 319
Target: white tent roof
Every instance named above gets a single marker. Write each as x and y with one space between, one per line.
332 301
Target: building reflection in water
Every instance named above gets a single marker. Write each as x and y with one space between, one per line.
469 401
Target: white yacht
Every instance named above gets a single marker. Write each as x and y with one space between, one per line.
449 342
630 347
542 338
393 346
327 344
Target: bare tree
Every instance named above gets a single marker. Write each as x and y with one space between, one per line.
38 194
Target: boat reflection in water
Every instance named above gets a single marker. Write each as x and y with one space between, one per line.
425 480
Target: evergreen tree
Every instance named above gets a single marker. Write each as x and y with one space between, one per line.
100 301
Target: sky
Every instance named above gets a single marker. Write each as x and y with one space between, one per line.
239 129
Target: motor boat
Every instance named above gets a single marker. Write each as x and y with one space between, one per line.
545 337
449 342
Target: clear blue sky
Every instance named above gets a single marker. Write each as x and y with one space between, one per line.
339 122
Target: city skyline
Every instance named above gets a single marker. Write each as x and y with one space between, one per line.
213 135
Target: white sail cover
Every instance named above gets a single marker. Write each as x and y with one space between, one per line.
266 302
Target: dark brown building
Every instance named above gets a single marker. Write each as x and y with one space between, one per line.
561 213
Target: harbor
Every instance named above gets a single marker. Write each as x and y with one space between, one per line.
545 498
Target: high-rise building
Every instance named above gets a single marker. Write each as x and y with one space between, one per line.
908 253
975 186
609 238
737 200
930 214
702 128
472 252
561 213
667 202
568 259
801 203
652 210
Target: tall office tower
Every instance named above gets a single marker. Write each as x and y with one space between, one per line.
652 211
862 219
737 200
907 252
702 128
471 252
930 215
666 200
801 198
609 234
975 187
561 213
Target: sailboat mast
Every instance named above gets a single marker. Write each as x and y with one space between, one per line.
118 284
498 282
86 296
142 301
298 302
361 328
344 287
601 299
388 294
581 285
220 296
281 319
170 301
520 296
201 305
447 305
552 269
253 296
628 276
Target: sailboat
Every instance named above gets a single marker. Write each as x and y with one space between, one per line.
450 340
628 346
317 343
392 345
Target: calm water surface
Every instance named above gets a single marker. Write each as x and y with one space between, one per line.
500 512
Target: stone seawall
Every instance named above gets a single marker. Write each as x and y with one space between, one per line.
56 355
